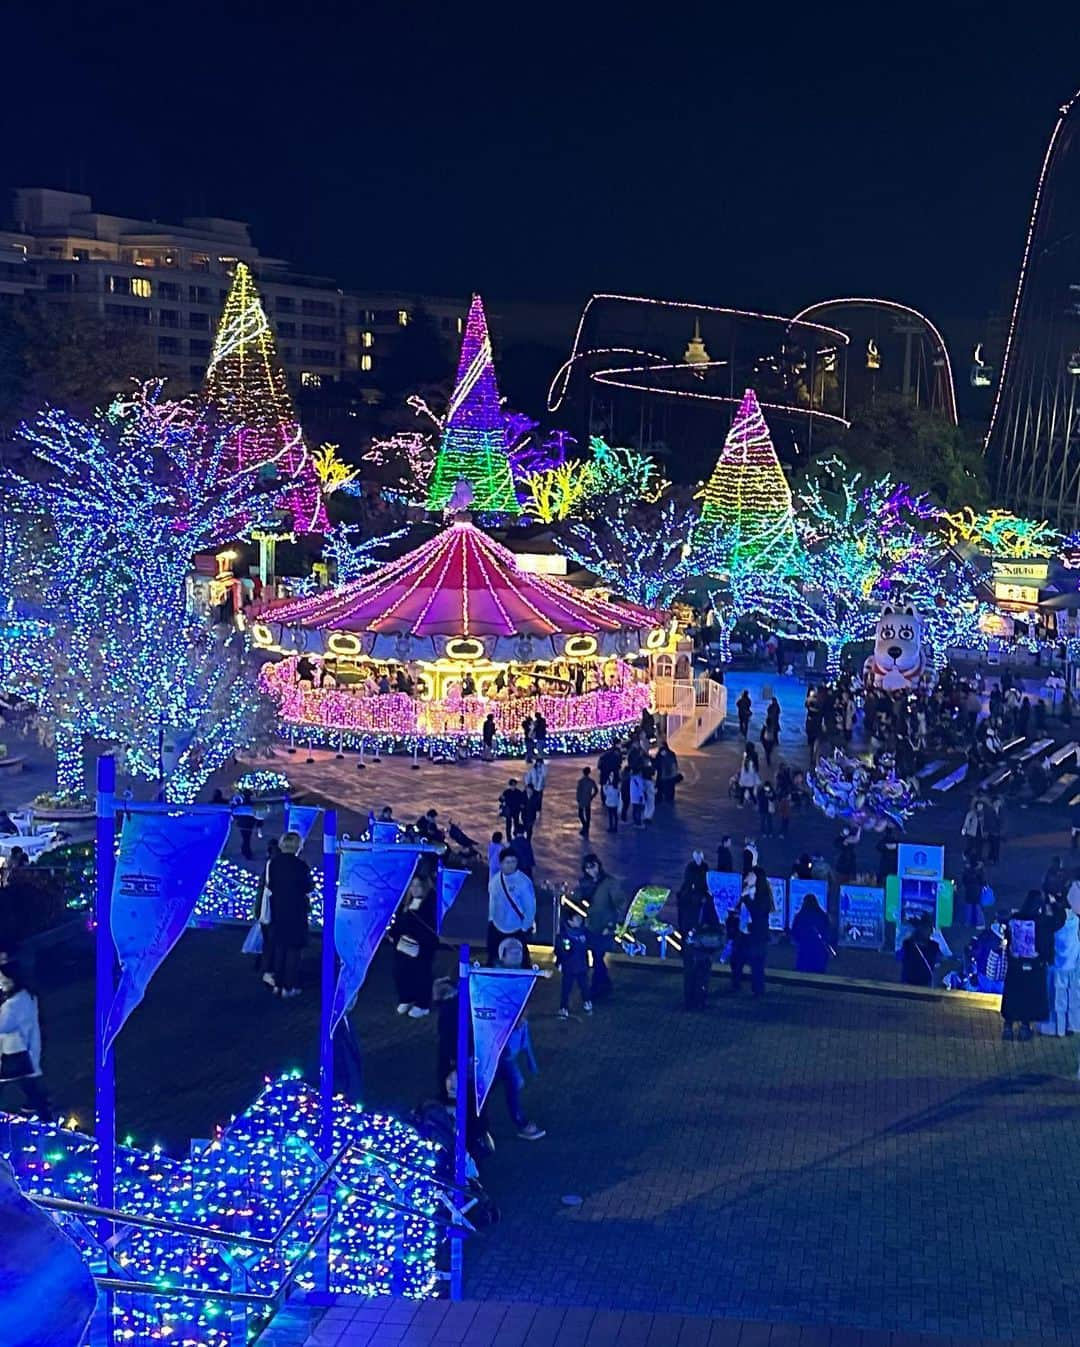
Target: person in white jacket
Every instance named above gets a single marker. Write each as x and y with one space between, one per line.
1064 979
511 906
20 1040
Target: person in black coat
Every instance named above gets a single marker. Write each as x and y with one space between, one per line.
290 883
693 894
416 942
724 859
751 945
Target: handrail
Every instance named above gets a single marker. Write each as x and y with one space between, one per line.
411 1169
210 1293
209 1233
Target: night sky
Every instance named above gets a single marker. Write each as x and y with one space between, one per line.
760 155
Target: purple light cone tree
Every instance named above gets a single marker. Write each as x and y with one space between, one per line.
473 446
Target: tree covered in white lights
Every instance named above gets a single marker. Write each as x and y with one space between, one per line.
106 515
860 543
646 553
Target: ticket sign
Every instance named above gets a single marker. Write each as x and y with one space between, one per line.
914 860
862 917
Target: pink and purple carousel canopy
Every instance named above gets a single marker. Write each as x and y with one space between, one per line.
461 584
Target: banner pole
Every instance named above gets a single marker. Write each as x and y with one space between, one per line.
326 1042
104 990
104 1063
461 1121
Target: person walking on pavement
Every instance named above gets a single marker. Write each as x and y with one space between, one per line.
598 892
745 708
511 802
666 763
511 906
246 822
572 956
612 798
416 942
536 776
693 894
585 792
290 882
530 808
751 945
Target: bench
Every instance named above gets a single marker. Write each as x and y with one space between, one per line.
1065 751
1032 750
996 778
1013 743
930 769
953 779
1058 789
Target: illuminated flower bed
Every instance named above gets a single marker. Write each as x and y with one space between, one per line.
322 714
252 1177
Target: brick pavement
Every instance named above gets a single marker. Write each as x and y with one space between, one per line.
388 1323
813 1158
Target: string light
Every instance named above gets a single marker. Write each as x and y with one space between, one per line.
1001 533
248 1181
427 593
128 496
748 495
646 554
397 718
473 447
245 383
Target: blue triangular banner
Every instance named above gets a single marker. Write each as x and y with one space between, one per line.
496 999
450 884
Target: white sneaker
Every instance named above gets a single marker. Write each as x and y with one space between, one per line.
562 1014
404 1008
418 1013
530 1132
268 978
587 1007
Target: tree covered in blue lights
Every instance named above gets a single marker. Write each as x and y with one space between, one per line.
103 519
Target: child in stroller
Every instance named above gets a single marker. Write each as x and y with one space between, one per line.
468 850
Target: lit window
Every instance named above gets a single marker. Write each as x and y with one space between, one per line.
309 379
367 339
403 317
460 325
365 362
140 287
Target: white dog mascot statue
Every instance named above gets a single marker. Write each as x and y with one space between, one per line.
898 661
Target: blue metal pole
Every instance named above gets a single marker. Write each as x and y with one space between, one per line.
329 977
104 990
104 1064
461 1119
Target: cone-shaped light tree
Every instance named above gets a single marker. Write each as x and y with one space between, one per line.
473 445
749 498
245 382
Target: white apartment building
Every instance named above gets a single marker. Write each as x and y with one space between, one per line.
172 280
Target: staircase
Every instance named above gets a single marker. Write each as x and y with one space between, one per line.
693 712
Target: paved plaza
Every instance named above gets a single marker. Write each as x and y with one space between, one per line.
814 1162
818 1157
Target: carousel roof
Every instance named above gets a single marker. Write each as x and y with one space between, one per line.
460 583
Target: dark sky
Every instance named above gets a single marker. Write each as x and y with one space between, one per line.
756 154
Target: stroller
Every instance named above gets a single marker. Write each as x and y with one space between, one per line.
468 850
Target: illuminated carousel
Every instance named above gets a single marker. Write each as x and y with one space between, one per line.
417 654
